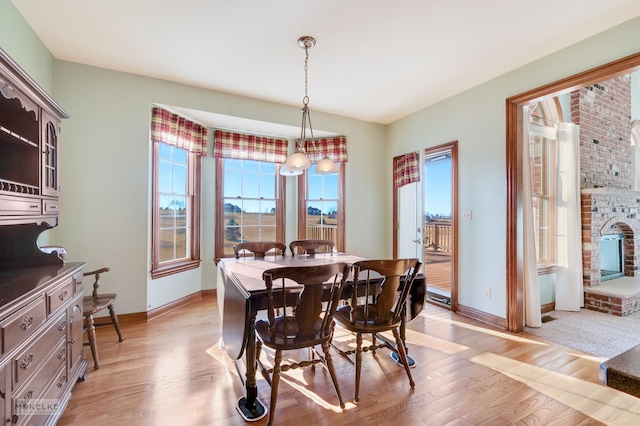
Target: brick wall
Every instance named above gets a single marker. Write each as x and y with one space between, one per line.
603 112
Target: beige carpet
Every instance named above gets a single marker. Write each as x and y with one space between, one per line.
591 332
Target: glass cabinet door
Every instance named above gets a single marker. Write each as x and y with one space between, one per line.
49 155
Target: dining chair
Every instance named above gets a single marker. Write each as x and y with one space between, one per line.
308 325
260 248
378 304
311 247
94 304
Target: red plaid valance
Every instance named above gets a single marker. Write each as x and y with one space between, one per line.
178 131
249 147
406 169
334 148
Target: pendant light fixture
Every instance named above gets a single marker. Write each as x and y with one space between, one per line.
298 162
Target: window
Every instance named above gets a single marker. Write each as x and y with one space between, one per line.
176 210
177 147
251 208
321 206
249 190
542 154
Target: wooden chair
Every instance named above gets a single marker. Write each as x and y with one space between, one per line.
260 248
377 305
309 324
311 247
94 304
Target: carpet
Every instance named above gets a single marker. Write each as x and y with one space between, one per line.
591 332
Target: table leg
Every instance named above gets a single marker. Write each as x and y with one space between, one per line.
249 407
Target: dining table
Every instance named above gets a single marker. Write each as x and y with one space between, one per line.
241 294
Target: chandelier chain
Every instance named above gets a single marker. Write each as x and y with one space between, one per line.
305 100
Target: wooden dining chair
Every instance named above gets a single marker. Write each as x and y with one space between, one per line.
311 247
260 248
308 325
377 304
94 304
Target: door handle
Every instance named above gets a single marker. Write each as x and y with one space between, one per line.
417 241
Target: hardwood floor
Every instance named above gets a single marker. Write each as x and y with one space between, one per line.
170 371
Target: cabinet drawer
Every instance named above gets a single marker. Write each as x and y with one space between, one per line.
49 207
19 206
17 327
53 370
60 295
26 361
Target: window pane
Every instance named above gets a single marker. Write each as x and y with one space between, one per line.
268 168
164 177
330 187
232 183
268 186
250 166
250 186
249 202
231 164
179 179
314 189
167 244
165 151
179 155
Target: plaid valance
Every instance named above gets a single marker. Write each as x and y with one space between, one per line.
406 169
178 131
335 148
249 147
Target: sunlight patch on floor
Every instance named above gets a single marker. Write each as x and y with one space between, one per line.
594 400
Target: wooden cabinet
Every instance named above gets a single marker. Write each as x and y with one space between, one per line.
41 341
41 320
29 136
29 170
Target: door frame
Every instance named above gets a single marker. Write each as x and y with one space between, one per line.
453 148
515 235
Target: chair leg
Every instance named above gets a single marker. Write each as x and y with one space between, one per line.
275 381
91 334
356 397
403 356
114 320
327 356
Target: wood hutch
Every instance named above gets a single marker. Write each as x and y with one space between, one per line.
41 321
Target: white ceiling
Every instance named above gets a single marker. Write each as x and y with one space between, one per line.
375 60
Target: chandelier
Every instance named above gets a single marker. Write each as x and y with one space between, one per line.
298 162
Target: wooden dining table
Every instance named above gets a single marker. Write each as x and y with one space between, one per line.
242 294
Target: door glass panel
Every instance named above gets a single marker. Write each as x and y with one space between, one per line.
438 235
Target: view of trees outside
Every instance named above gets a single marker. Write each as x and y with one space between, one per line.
173 203
249 202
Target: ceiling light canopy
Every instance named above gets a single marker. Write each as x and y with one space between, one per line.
298 162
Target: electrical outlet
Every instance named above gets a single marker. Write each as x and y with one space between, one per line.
466 215
487 293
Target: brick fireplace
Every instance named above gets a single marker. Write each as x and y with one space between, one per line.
609 205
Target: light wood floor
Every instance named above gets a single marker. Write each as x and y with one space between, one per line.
171 371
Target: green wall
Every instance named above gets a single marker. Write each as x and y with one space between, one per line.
106 163
477 119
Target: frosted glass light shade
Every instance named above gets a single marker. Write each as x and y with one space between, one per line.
326 166
297 161
286 172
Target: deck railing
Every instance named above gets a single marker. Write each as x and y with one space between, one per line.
322 232
437 235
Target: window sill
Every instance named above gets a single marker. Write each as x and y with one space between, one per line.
174 268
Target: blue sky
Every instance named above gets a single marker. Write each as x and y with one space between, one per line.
437 186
